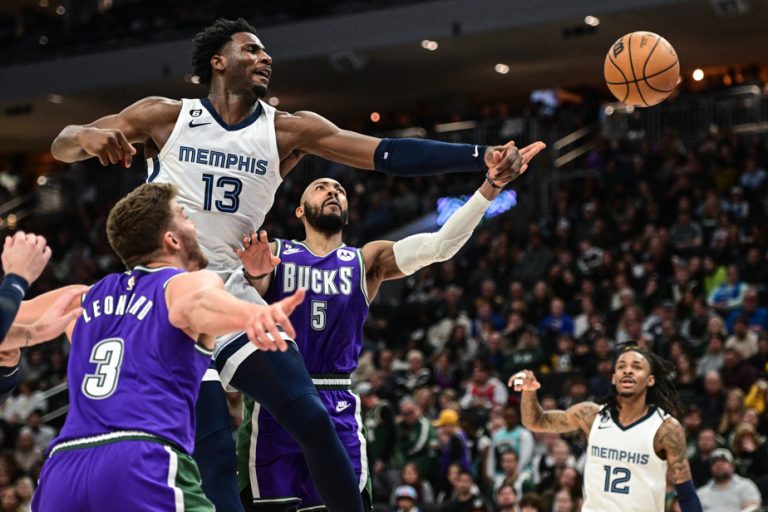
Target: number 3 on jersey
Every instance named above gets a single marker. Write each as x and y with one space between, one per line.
108 356
232 188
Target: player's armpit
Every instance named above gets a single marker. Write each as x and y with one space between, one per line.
380 265
669 444
311 133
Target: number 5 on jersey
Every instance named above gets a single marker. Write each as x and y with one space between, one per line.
108 356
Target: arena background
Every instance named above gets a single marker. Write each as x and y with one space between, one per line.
635 222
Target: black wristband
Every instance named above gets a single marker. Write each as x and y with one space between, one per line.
251 277
490 181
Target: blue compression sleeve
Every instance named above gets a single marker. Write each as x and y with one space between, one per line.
687 497
418 157
12 291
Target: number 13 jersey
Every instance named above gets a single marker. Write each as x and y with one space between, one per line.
227 175
622 470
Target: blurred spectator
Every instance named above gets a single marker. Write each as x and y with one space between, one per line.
712 401
27 454
736 373
729 294
417 438
734 409
700 463
410 476
512 474
727 491
17 408
41 433
406 499
453 443
466 494
756 316
484 390
712 360
531 503
511 437
750 452
416 375
742 340
506 499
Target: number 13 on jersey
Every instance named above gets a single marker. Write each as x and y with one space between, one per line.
231 188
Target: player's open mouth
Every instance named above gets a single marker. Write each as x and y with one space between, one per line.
264 73
627 381
332 202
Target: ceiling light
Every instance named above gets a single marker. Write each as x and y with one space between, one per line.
61 10
43 40
698 75
194 79
42 180
500 68
56 98
592 21
430 45
274 101
375 117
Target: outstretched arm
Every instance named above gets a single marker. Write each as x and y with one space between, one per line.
669 444
385 260
198 304
61 313
536 419
307 132
110 138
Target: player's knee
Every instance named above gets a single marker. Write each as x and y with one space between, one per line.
308 420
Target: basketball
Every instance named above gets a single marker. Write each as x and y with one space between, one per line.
641 69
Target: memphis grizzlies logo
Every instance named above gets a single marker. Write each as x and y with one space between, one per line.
345 254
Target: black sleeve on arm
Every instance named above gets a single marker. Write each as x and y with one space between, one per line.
9 379
12 291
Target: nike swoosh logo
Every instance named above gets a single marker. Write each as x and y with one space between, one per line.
341 407
600 427
475 153
192 124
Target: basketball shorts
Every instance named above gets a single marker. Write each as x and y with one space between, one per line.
137 475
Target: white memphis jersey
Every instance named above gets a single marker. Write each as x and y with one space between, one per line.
227 175
622 470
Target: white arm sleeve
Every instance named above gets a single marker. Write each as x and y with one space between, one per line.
418 251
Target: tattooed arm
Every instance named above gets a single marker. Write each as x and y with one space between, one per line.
669 444
536 419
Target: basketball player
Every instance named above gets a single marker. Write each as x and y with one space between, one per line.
138 356
228 153
341 282
632 437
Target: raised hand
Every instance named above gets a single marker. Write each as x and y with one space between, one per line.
25 255
110 146
506 163
524 380
262 326
256 256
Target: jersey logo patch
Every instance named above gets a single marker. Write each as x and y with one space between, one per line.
602 427
291 251
345 254
341 405
131 283
192 124
196 112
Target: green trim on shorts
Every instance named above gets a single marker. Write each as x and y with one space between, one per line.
188 480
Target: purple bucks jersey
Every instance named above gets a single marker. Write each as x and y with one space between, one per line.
129 369
329 323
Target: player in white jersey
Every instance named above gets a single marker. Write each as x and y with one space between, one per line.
228 153
633 440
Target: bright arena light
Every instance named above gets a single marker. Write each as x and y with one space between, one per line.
194 79
56 98
274 101
61 10
500 68
698 75
592 21
375 117
42 180
609 110
430 45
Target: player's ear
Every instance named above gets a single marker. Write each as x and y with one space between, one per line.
651 381
299 212
217 62
170 240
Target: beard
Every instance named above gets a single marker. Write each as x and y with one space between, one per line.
194 257
260 91
328 224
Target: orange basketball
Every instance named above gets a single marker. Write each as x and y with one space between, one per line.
641 69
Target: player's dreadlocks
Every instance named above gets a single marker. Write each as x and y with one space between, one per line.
211 40
662 394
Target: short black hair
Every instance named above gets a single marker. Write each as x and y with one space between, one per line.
210 41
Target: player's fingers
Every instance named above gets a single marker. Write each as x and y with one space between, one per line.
275 261
278 338
126 148
103 159
238 251
41 242
47 253
290 303
263 236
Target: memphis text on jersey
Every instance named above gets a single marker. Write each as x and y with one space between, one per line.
137 305
619 455
223 160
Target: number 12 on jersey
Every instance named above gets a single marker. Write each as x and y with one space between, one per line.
621 477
